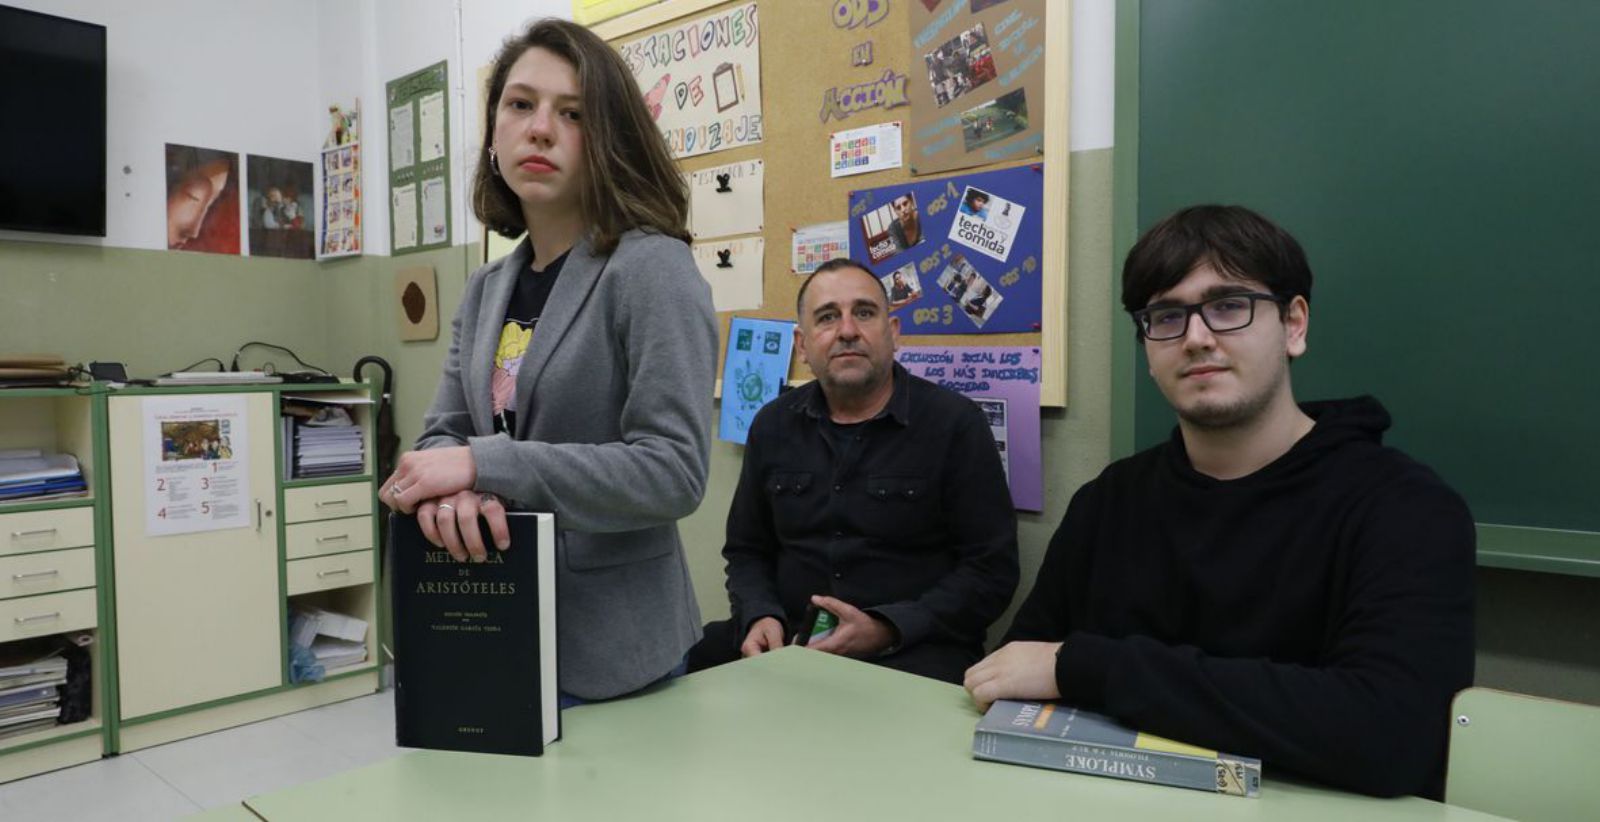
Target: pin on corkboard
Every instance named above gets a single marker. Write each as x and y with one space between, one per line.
416 293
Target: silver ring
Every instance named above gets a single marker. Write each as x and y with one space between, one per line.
395 490
445 506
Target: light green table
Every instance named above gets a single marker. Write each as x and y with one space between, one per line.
792 735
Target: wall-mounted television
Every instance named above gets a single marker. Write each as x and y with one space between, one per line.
52 124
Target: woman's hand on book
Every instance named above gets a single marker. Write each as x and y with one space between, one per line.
430 474
1020 670
452 524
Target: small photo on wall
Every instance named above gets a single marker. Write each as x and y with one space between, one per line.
995 120
962 283
902 285
892 228
959 65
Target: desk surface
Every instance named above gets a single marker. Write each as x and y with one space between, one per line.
792 735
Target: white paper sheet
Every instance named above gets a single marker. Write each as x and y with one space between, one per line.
738 210
736 287
197 464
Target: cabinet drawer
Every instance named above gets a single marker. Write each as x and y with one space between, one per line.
335 571
46 573
333 536
352 499
48 614
46 530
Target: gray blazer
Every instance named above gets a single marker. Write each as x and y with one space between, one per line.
613 434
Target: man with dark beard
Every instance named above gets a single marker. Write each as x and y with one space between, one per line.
871 494
1272 581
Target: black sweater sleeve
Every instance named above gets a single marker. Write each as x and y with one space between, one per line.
1371 716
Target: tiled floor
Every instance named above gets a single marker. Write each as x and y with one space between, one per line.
185 777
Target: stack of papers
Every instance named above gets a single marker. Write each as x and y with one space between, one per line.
335 639
30 698
29 474
321 437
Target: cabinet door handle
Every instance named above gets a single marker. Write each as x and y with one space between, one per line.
36 574
38 618
332 502
322 574
258 516
37 532
334 538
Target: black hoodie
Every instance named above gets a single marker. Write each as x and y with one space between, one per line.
1316 614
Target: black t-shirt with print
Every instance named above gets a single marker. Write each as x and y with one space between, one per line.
522 314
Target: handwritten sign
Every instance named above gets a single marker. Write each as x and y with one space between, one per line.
702 81
1004 382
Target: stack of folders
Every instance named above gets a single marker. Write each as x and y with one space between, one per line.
30 698
336 640
329 444
30 474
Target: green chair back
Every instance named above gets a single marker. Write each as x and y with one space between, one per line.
1524 757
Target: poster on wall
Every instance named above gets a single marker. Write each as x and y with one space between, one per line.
702 80
864 150
279 196
339 219
1004 382
419 160
977 84
196 464
956 255
728 199
733 268
755 368
813 245
202 199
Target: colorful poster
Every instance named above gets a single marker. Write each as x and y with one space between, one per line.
279 193
863 150
340 217
977 92
733 268
202 200
1004 382
756 367
197 464
982 277
728 199
816 244
702 81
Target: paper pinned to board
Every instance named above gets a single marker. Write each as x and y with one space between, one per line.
727 200
733 268
813 245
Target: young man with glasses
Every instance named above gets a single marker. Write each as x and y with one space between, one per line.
1272 581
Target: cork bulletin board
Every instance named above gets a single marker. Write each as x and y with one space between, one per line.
835 65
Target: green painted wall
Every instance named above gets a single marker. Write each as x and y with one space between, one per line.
157 311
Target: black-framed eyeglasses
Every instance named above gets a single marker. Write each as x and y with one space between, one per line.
1229 312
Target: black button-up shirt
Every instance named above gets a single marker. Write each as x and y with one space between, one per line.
906 516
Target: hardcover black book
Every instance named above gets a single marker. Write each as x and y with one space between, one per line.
475 642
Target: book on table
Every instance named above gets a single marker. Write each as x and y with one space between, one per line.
475 642
1051 735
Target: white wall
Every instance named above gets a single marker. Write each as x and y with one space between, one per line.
197 73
